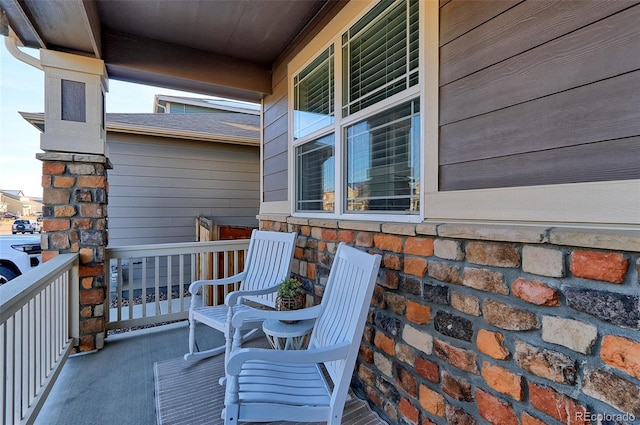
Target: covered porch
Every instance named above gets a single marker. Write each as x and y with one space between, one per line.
509 291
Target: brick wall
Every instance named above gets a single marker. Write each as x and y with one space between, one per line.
490 324
75 221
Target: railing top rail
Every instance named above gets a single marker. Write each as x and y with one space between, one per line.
176 248
19 291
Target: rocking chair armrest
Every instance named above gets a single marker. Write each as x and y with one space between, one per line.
232 297
193 288
302 314
312 355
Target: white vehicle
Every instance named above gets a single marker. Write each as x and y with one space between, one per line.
26 226
18 255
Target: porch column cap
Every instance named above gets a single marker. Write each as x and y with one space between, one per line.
67 61
74 157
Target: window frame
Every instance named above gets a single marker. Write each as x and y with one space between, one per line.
308 56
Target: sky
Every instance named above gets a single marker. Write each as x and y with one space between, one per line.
22 89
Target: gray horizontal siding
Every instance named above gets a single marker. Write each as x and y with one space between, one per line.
535 85
601 111
159 185
529 24
554 66
276 141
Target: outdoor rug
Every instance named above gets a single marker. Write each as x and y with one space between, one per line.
189 394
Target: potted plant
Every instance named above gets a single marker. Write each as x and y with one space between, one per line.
290 297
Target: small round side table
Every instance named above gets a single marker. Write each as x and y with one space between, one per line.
284 336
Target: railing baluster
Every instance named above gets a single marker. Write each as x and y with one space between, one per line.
119 287
181 283
144 286
157 286
17 355
192 275
10 368
37 332
3 377
215 272
43 336
169 282
47 317
31 387
226 273
236 268
65 302
130 288
55 299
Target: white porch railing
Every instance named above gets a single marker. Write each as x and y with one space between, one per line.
38 327
148 283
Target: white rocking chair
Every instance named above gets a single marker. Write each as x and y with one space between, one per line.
267 263
265 385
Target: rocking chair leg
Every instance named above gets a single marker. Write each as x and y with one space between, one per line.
193 355
229 344
230 414
192 335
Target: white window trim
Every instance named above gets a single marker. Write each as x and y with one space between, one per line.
607 204
332 34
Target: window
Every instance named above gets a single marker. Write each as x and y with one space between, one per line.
367 158
383 161
315 175
380 55
314 94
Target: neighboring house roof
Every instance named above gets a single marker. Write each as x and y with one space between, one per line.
222 127
231 127
14 194
215 104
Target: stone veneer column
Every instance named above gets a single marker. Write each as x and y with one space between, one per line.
75 221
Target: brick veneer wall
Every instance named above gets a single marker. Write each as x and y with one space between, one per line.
75 221
508 325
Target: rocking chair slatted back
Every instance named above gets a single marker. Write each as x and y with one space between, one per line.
346 305
268 263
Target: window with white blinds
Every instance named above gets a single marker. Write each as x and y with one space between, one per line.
313 94
364 158
383 161
315 183
380 55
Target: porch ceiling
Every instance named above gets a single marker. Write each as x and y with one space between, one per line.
217 47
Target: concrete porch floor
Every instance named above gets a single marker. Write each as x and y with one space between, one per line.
114 386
